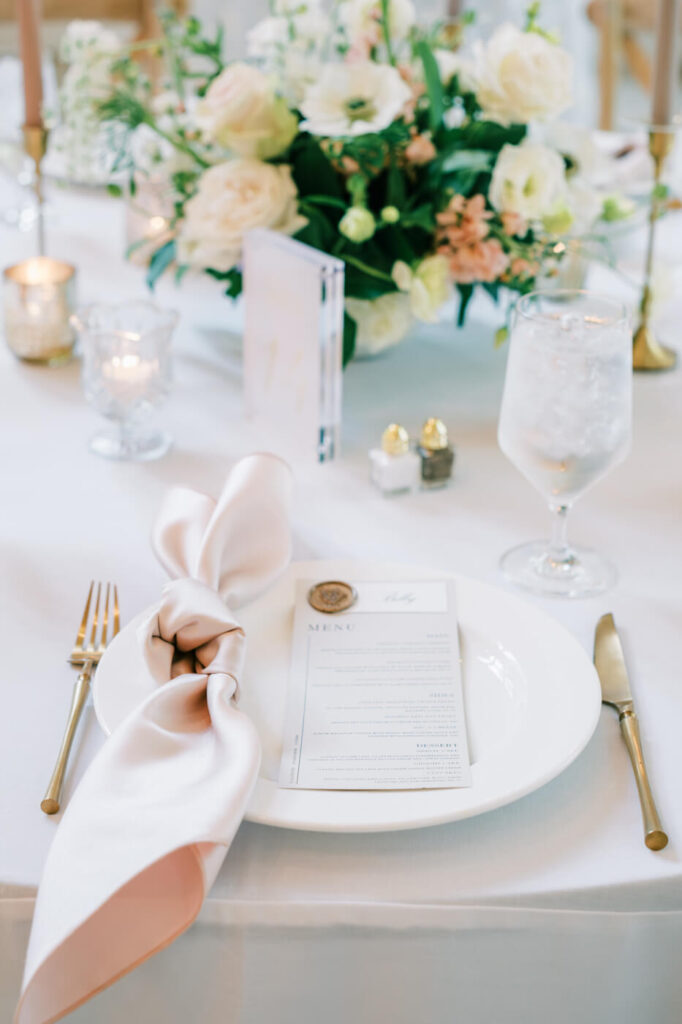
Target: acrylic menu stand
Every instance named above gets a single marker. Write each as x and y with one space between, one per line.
293 342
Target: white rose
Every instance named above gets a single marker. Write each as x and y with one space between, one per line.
428 286
521 76
354 99
362 19
381 323
529 180
241 112
234 197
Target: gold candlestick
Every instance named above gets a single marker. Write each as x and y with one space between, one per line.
648 353
35 145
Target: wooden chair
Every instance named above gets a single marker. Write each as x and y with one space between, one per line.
619 23
139 13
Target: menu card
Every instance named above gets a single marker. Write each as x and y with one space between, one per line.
375 692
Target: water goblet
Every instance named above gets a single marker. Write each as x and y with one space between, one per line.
126 373
565 422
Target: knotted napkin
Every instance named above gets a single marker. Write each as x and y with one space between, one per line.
144 835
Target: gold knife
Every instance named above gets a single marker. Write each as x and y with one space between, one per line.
615 690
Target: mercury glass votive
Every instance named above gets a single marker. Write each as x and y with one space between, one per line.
126 373
38 300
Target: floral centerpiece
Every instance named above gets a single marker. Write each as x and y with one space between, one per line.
398 148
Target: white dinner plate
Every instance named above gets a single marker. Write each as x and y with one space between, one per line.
531 695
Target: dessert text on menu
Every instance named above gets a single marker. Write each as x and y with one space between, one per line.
375 692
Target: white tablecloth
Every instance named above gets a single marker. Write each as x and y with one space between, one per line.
546 910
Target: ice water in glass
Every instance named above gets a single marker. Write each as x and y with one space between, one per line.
565 421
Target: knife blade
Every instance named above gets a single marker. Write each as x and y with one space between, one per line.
610 664
615 690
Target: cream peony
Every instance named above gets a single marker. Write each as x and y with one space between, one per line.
362 20
381 323
234 197
528 180
353 99
428 286
521 76
241 112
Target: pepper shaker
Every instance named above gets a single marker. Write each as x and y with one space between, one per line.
436 453
394 467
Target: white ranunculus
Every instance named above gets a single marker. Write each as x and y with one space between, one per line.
521 76
362 19
354 99
241 112
529 180
381 323
234 197
428 286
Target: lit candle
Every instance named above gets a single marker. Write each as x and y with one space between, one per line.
38 303
665 62
126 373
28 13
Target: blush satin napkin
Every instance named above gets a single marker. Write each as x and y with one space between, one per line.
144 835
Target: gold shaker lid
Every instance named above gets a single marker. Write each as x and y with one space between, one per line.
434 435
395 440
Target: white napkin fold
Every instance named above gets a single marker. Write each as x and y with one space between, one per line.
149 826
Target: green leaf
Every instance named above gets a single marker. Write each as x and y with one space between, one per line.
180 272
161 259
236 283
465 293
469 160
114 190
350 331
501 335
327 201
434 86
422 217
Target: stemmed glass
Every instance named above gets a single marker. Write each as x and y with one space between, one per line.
126 372
566 420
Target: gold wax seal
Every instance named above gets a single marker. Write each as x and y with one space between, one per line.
395 440
332 596
434 435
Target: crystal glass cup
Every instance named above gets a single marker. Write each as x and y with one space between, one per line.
565 422
126 373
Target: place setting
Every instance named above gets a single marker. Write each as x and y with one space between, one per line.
355 184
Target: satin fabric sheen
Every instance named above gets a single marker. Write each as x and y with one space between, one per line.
153 818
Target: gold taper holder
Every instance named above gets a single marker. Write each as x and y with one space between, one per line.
35 145
647 352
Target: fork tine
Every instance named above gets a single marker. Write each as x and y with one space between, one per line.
93 634
117 621
84 621
105 620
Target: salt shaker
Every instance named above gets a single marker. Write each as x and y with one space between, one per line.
436 453
394 467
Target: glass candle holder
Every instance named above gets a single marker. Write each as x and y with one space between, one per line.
126 374
38 299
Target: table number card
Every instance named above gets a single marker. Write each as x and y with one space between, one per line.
293 343
375 692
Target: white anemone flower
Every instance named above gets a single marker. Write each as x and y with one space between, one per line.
354 99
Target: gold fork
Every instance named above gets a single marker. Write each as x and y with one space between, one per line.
85 656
